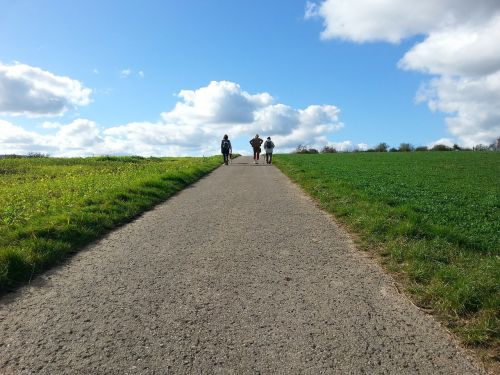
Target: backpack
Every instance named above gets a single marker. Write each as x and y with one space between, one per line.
269 144
225 145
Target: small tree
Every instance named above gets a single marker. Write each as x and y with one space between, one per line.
328 150
37 155
382 147
480 147
456 147
441 148
302 149
422 148
405 147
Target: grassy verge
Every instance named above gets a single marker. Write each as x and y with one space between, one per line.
49 207
434 219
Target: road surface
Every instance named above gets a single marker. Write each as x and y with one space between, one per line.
238 274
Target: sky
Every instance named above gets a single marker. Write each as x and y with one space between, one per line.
170 78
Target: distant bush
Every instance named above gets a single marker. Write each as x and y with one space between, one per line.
480 147
123 159
302 149
421 148
406 147
328 150
381 147
441 148
37 155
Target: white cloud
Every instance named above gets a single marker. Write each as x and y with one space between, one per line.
443 141
141 74
348 146
394 20
193 127
79 138
467 50
218 103
473 105
460 46
125 73
31 91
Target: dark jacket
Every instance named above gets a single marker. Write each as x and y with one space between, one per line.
256 142
225 146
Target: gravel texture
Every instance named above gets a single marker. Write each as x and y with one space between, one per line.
238 274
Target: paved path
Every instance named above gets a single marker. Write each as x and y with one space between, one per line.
240 273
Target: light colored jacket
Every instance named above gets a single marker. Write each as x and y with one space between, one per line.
269 150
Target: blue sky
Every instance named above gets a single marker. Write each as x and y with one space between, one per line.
116 68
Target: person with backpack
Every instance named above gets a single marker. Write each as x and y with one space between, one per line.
256 143
268 148
226 148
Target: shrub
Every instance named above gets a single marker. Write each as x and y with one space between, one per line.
480 147
422 148
381 147
302 149
328 150
441 148
405 147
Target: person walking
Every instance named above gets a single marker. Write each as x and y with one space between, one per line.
256 142
268 148
226 148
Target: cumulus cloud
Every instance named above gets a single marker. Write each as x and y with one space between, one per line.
468 50
193 127
443 141
218 103
125 73
79 138
394 20
31 91
460 46
348 146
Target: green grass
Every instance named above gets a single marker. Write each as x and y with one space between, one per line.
434 219
50 207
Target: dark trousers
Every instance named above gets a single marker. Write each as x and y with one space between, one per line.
269 157
226 158
256 153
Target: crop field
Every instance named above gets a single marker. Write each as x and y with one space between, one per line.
433 217
49 207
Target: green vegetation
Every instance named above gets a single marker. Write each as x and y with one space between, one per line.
434 218
49 207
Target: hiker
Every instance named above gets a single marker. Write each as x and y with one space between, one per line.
256 142
268 148
226 148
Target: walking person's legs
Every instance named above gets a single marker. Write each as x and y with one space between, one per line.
271 158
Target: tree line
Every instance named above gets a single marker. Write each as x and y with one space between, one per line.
403 147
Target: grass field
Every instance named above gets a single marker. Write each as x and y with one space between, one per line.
433 217
50 207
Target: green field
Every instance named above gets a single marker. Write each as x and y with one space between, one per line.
434 219
50 207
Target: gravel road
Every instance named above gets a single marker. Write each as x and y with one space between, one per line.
238 274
